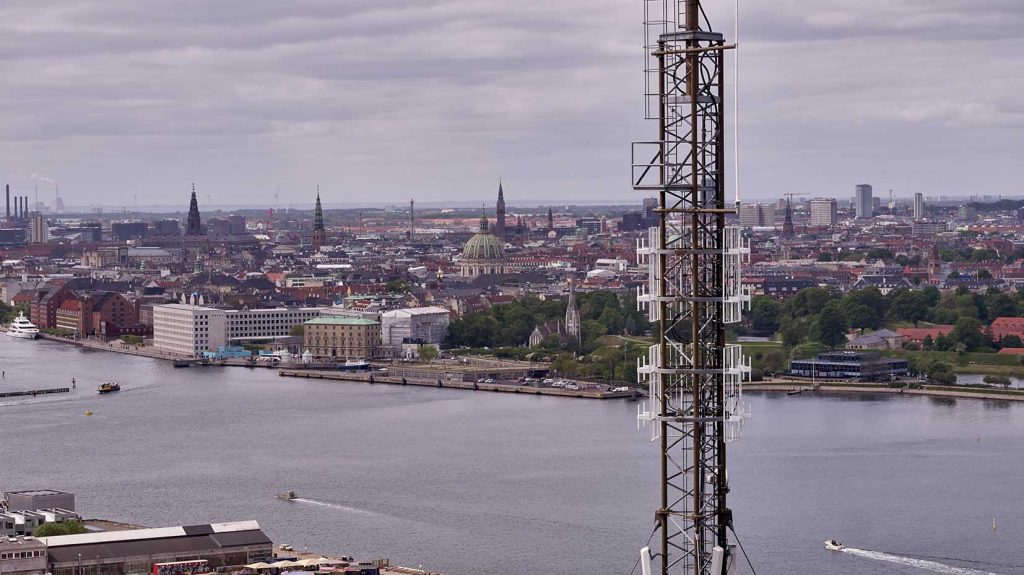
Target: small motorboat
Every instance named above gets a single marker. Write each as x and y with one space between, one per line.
833 545
109 387
796 391
287 495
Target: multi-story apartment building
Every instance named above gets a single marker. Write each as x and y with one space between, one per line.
823 212
188 330
918 206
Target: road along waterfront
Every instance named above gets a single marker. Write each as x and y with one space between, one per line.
480 483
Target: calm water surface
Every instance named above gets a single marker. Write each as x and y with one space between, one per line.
482 483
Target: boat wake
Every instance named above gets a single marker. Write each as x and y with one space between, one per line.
336 506
912 562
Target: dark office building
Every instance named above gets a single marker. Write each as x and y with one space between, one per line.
167 228
849 365
122 231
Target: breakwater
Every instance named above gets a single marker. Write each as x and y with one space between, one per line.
32 392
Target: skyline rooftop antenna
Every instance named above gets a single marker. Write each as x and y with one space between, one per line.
693 291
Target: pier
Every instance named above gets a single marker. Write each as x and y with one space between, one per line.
392 379
31 392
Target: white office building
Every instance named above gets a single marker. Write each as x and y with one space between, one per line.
270 323
862 202
918 206
422 324
188 330
757 215
823 212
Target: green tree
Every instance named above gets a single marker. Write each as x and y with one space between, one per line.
984 274
774 362
910 306
807 301
830 329
297 330
999 304
967 332
765 312
69 527
793 331
880 254
824 257
428 352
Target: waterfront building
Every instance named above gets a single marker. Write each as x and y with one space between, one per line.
918 205
862 202
45 303
849 365
823 212
483 254
188 330
138 551
424 325
22 555
337 337
265 323
33 499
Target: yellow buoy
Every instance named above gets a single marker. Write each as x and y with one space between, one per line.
88 412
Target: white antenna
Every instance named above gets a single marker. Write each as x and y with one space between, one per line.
736 105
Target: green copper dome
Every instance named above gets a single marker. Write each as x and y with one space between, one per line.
484 245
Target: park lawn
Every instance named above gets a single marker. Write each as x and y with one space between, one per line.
1006 370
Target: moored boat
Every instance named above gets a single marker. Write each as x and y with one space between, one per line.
109 387
22 328
181 363
355 365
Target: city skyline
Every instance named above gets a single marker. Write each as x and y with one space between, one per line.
113 101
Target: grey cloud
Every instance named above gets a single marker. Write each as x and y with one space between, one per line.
239 93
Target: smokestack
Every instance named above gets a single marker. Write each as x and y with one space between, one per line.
7 216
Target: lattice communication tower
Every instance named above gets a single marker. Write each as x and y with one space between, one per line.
693 290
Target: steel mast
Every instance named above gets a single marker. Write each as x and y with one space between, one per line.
693 288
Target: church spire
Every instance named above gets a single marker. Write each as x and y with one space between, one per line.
193 224
319 234
572 313
499 224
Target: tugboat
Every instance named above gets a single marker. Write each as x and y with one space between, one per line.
833 545
109 387
287 495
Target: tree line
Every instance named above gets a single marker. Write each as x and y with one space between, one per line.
825 316
510 325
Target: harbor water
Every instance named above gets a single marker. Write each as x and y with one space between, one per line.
477 483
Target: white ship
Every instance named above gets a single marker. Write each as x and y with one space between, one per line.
22 328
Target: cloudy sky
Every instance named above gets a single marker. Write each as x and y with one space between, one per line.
383 100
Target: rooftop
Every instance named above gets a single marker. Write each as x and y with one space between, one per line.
341 320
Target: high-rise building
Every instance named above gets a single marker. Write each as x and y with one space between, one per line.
823 212
499 223
862 203
757 215
193 225
918 206
39 232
